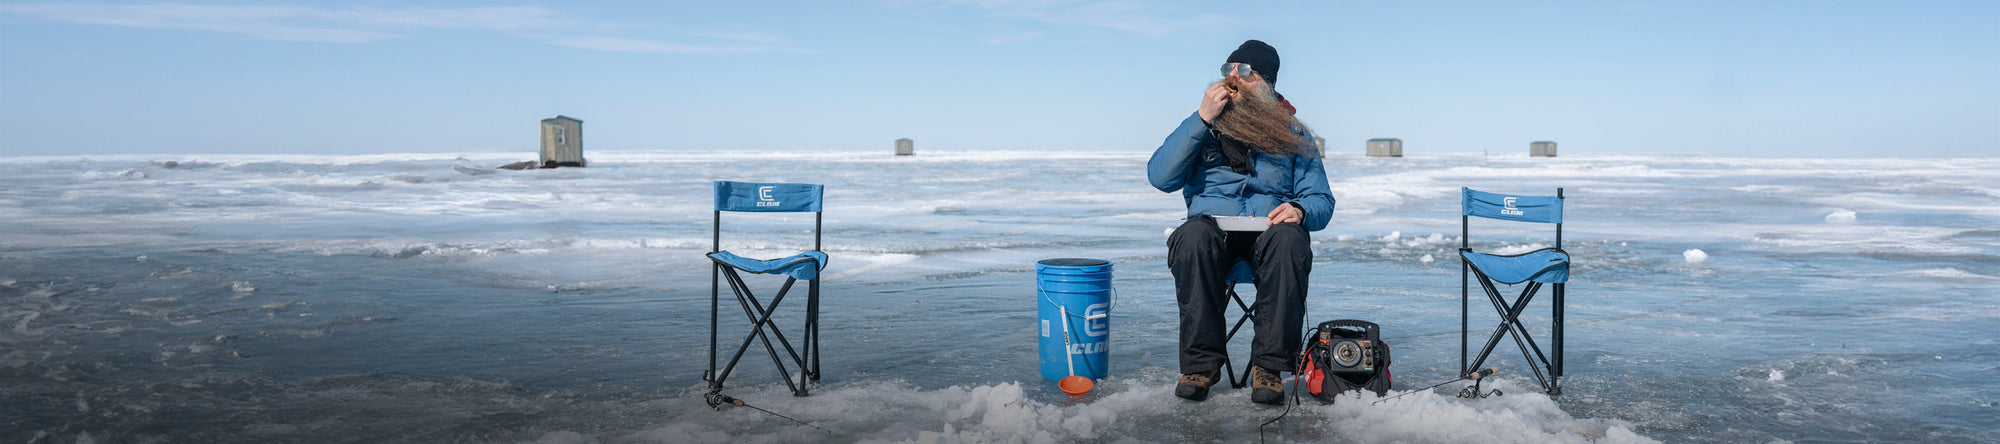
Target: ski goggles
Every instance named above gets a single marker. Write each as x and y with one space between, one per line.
1239 69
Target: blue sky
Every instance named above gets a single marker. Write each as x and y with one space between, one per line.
1790 79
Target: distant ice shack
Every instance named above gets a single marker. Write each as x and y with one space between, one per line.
562 141
1542 149
1387 147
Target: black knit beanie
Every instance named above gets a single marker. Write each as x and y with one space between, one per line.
1261 57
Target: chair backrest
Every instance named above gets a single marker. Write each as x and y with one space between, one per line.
768 198
1537 209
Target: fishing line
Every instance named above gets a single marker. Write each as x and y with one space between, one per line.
1296 382
717 398
1475 377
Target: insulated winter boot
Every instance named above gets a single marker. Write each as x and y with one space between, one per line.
1194 386
1266 387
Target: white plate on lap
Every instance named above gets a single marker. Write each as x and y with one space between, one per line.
1242 223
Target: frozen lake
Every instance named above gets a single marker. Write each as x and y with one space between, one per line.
428 297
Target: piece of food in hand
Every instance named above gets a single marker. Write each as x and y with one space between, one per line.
1228 85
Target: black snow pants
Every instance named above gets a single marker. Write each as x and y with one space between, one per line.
1201 255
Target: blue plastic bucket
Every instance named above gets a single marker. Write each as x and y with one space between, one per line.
1083 287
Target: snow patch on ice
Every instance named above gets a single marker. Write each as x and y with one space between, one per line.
1945 273
1856 238
1694 256
1510 250
565 437
1139 409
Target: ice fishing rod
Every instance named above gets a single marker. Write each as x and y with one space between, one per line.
1297 381
1474 376
717 398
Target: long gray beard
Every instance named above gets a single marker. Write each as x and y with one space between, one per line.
1254 118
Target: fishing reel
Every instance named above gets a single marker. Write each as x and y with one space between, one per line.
1478 378
1472 392
716 400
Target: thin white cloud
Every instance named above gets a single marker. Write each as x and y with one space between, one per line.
367 24
626 45
289 23
1126 16
616 44
498 18
748 37
1146 18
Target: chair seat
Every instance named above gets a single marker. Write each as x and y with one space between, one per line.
1242 274
1547 265
803 266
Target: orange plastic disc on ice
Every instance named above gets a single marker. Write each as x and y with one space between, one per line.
1075 385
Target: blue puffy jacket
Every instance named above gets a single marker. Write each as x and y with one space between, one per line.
1191 161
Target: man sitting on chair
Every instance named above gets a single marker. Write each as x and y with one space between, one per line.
1242 154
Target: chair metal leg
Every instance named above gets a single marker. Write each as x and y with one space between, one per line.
760 317
1511 326
714 305
812 327
763 318
1514 318
756 332
763 315
1228 367
1556 342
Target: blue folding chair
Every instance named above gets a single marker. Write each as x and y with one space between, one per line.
1544 266
805 266
1239 274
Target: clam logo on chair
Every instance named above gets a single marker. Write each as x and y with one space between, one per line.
764 197
1507 207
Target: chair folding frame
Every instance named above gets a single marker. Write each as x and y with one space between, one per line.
1238 274
1547 368
805 359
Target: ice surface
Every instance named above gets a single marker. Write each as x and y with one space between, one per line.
1128 410
256 298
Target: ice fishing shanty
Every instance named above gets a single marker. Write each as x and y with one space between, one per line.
1542 149
905 147
1385 147
562 141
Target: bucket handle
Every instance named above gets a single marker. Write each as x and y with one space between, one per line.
1113 301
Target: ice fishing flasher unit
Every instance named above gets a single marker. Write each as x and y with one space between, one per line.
1345 355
